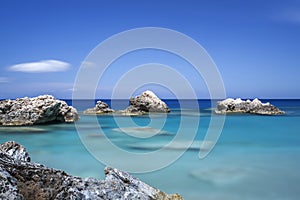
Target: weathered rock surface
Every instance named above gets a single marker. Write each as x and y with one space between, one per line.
254 107
100 108
38 110
20 179
145 103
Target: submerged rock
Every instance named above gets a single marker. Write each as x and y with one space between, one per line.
254 107
20 179
145 103
38 110
100 108
222 175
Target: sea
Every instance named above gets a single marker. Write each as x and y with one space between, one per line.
254 157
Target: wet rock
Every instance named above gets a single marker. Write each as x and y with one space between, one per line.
38 110
20 179
145 103
254 107
100 108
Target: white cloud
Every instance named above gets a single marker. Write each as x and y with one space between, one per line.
4 80
41 66
87 64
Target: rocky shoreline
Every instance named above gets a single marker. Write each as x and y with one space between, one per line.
253 107
20 179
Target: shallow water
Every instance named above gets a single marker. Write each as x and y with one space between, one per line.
256 157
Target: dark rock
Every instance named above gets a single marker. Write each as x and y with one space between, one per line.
100 108
15 151
20 179
8 186
38 110
254 107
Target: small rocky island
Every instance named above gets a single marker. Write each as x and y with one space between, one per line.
100 108
253 107
20 179
145 103
43 109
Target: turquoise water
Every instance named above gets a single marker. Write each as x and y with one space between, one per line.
256 157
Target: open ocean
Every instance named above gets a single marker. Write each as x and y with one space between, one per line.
256 157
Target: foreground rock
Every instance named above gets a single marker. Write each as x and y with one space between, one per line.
38 110
254 107
100 108
20 179
145 103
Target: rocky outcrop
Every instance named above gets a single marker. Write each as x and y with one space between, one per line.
100 108
20 179
38 110
254 107
145 103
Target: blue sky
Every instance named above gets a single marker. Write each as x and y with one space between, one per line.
255 44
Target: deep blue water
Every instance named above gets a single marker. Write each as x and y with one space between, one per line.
256 157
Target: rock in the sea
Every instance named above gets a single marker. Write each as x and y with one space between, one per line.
38 110
100 108
20 179
254 107
145 103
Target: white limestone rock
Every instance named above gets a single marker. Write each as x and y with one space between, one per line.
38 110
254 107
100 108
145 103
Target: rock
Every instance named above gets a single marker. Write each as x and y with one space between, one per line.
100 108
145 103
38 110
20 179
254 107
8 186
144 191
15 151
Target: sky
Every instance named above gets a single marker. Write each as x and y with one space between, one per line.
254 44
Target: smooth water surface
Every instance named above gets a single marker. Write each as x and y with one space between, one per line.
256 157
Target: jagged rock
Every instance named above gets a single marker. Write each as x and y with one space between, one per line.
15 151
38 110
145 103
254 107
8 186
100 108
20 179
